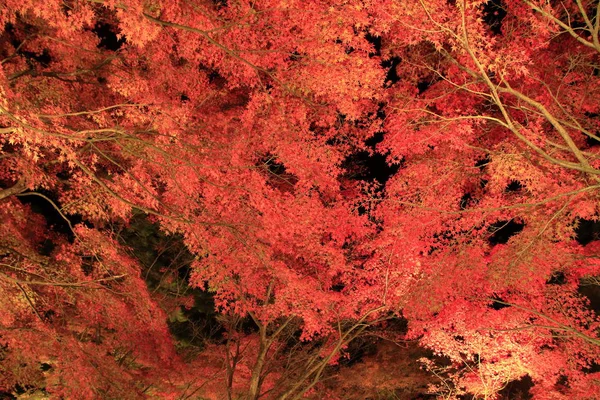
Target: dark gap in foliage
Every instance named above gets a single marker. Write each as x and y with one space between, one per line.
161 256
341 118
43 58
517 389
292 339
199 323
67 7
361 210
338 287
184 272
381 114
575 20
220 4
158 253
513 186
432 250
238 98
180 62
64 175
108 37
378 136
276 174
377 117
562 383
87 265
444 236
502 231
375 139
11 33
392 74
397 325
420 396
184 98
9 30
557 278
465 201
493 77
592 293
49 315
376 42
46 247
483 183
45 367
213 76
592 369
55 221
498 303
425 84
587 231
493 13
21 390
482 163
248 326
592 142
357 350
369 167
295 56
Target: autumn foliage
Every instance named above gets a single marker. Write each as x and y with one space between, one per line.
315 173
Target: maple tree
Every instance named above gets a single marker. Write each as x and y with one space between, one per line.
236 129
496 123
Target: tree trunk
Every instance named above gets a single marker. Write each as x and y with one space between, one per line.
254 391
255 381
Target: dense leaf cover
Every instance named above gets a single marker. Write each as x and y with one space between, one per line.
250 131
